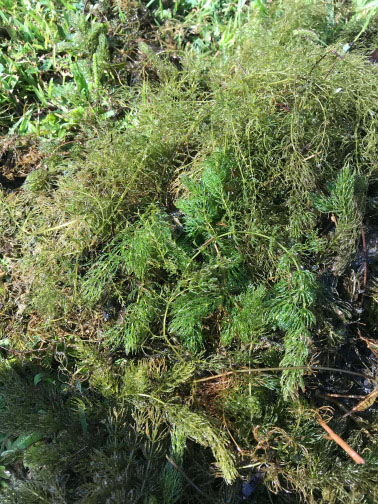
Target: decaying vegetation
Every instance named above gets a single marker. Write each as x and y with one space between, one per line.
189 293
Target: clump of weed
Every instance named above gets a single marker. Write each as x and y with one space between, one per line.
196 237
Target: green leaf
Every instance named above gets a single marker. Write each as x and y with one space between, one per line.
4 473
23 442
43 377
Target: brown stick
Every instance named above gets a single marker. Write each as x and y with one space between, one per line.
348 449
207 242
345 396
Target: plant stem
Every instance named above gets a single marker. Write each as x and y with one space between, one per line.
284 368
260 235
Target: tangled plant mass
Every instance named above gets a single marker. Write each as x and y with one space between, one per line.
189 284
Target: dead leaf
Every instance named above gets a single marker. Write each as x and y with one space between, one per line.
363 405
371 344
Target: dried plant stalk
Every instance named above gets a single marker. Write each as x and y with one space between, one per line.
348 449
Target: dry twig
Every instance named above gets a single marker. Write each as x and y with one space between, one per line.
348 449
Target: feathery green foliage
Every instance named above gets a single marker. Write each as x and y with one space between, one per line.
343 203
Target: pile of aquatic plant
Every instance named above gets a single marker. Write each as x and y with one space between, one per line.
186 296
